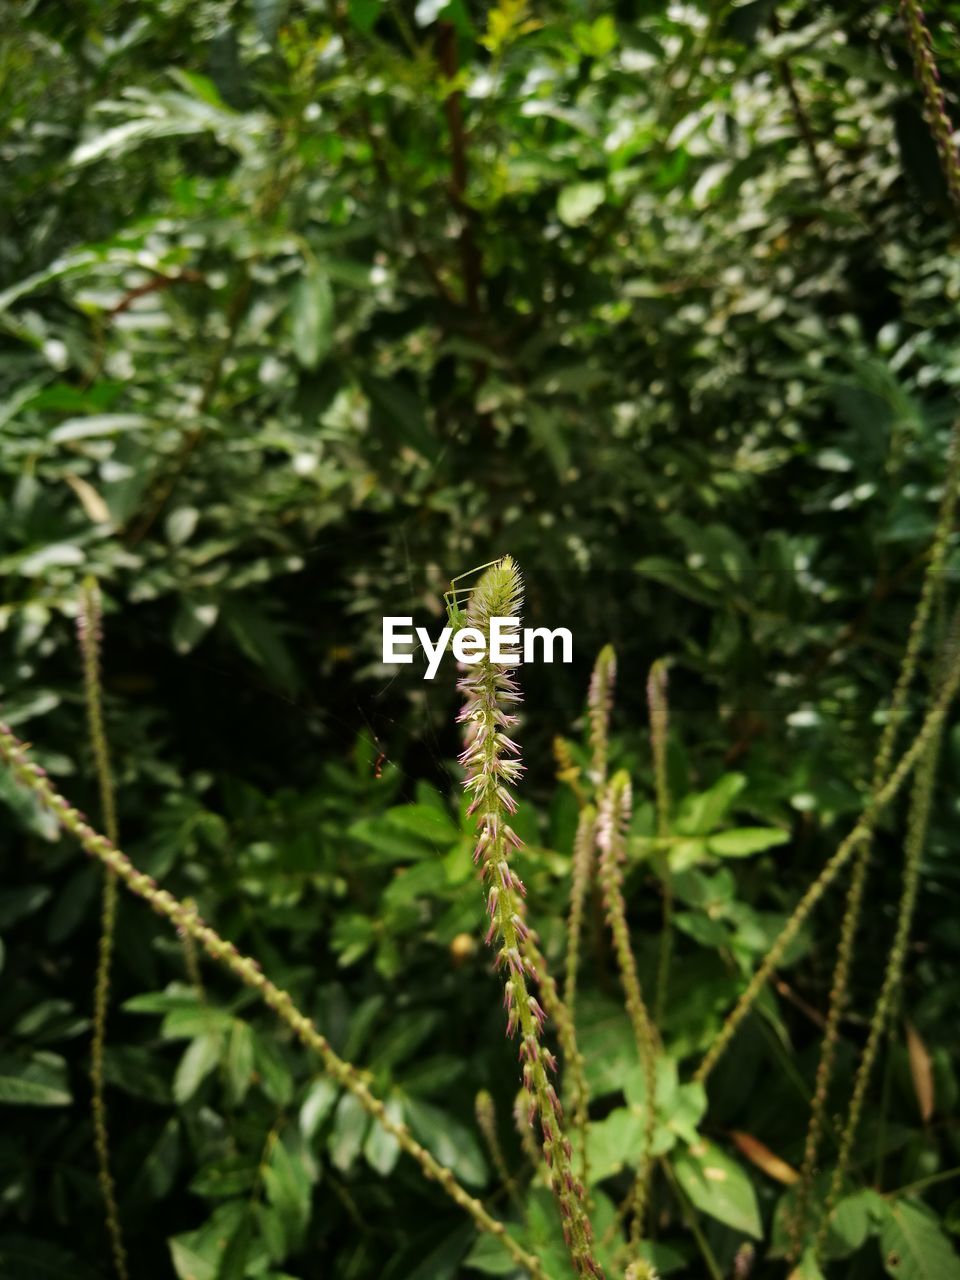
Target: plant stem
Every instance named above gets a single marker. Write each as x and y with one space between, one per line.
918 822
89 633
614 820
851 917
34 778
930 727
490 759
583 847
659 727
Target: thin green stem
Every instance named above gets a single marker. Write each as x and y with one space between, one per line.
931 726
599 707
659 727
558 1011
612 827
487 1123
934 105
89 622
917 825
583 850
14 755
895 717
490 759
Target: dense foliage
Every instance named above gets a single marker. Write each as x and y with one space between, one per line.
307 307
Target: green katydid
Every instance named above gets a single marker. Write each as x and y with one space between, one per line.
452 601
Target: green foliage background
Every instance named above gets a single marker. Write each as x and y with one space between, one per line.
303 309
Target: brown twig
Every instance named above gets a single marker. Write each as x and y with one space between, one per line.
471 265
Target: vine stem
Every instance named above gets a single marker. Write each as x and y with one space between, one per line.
89 632
659 727
851 916
14 755
559 1012
614 820
917 825
880 799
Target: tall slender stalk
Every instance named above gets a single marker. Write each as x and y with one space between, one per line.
89 631
917 825
583 848
599 706
934 104
559 1012
851 917
931 725
491 761
14 755
659 727
486 1114
614 820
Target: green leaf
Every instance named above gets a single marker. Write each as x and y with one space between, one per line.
448 1140
58 555
807 1268
353 936
350 1124
239 1061
577 203
436 828
289 1190
262 641
193 620
719 1187
442 1263
744 841
180 524
702 813
489 1256
158 1170
138 1071
28 810
851 1223
317 1105
311 315
678 578
364 13
616 1142
275 1078
17 904
223 1179
97 425
201 1057
381 1149
913 1245
37 1081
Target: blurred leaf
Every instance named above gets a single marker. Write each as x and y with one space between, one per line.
913 1246
201 1057
579 202
921 1072
744 841
718 1187
311 311
759 1154
448 1140
350 1125
381 1149
39 1080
